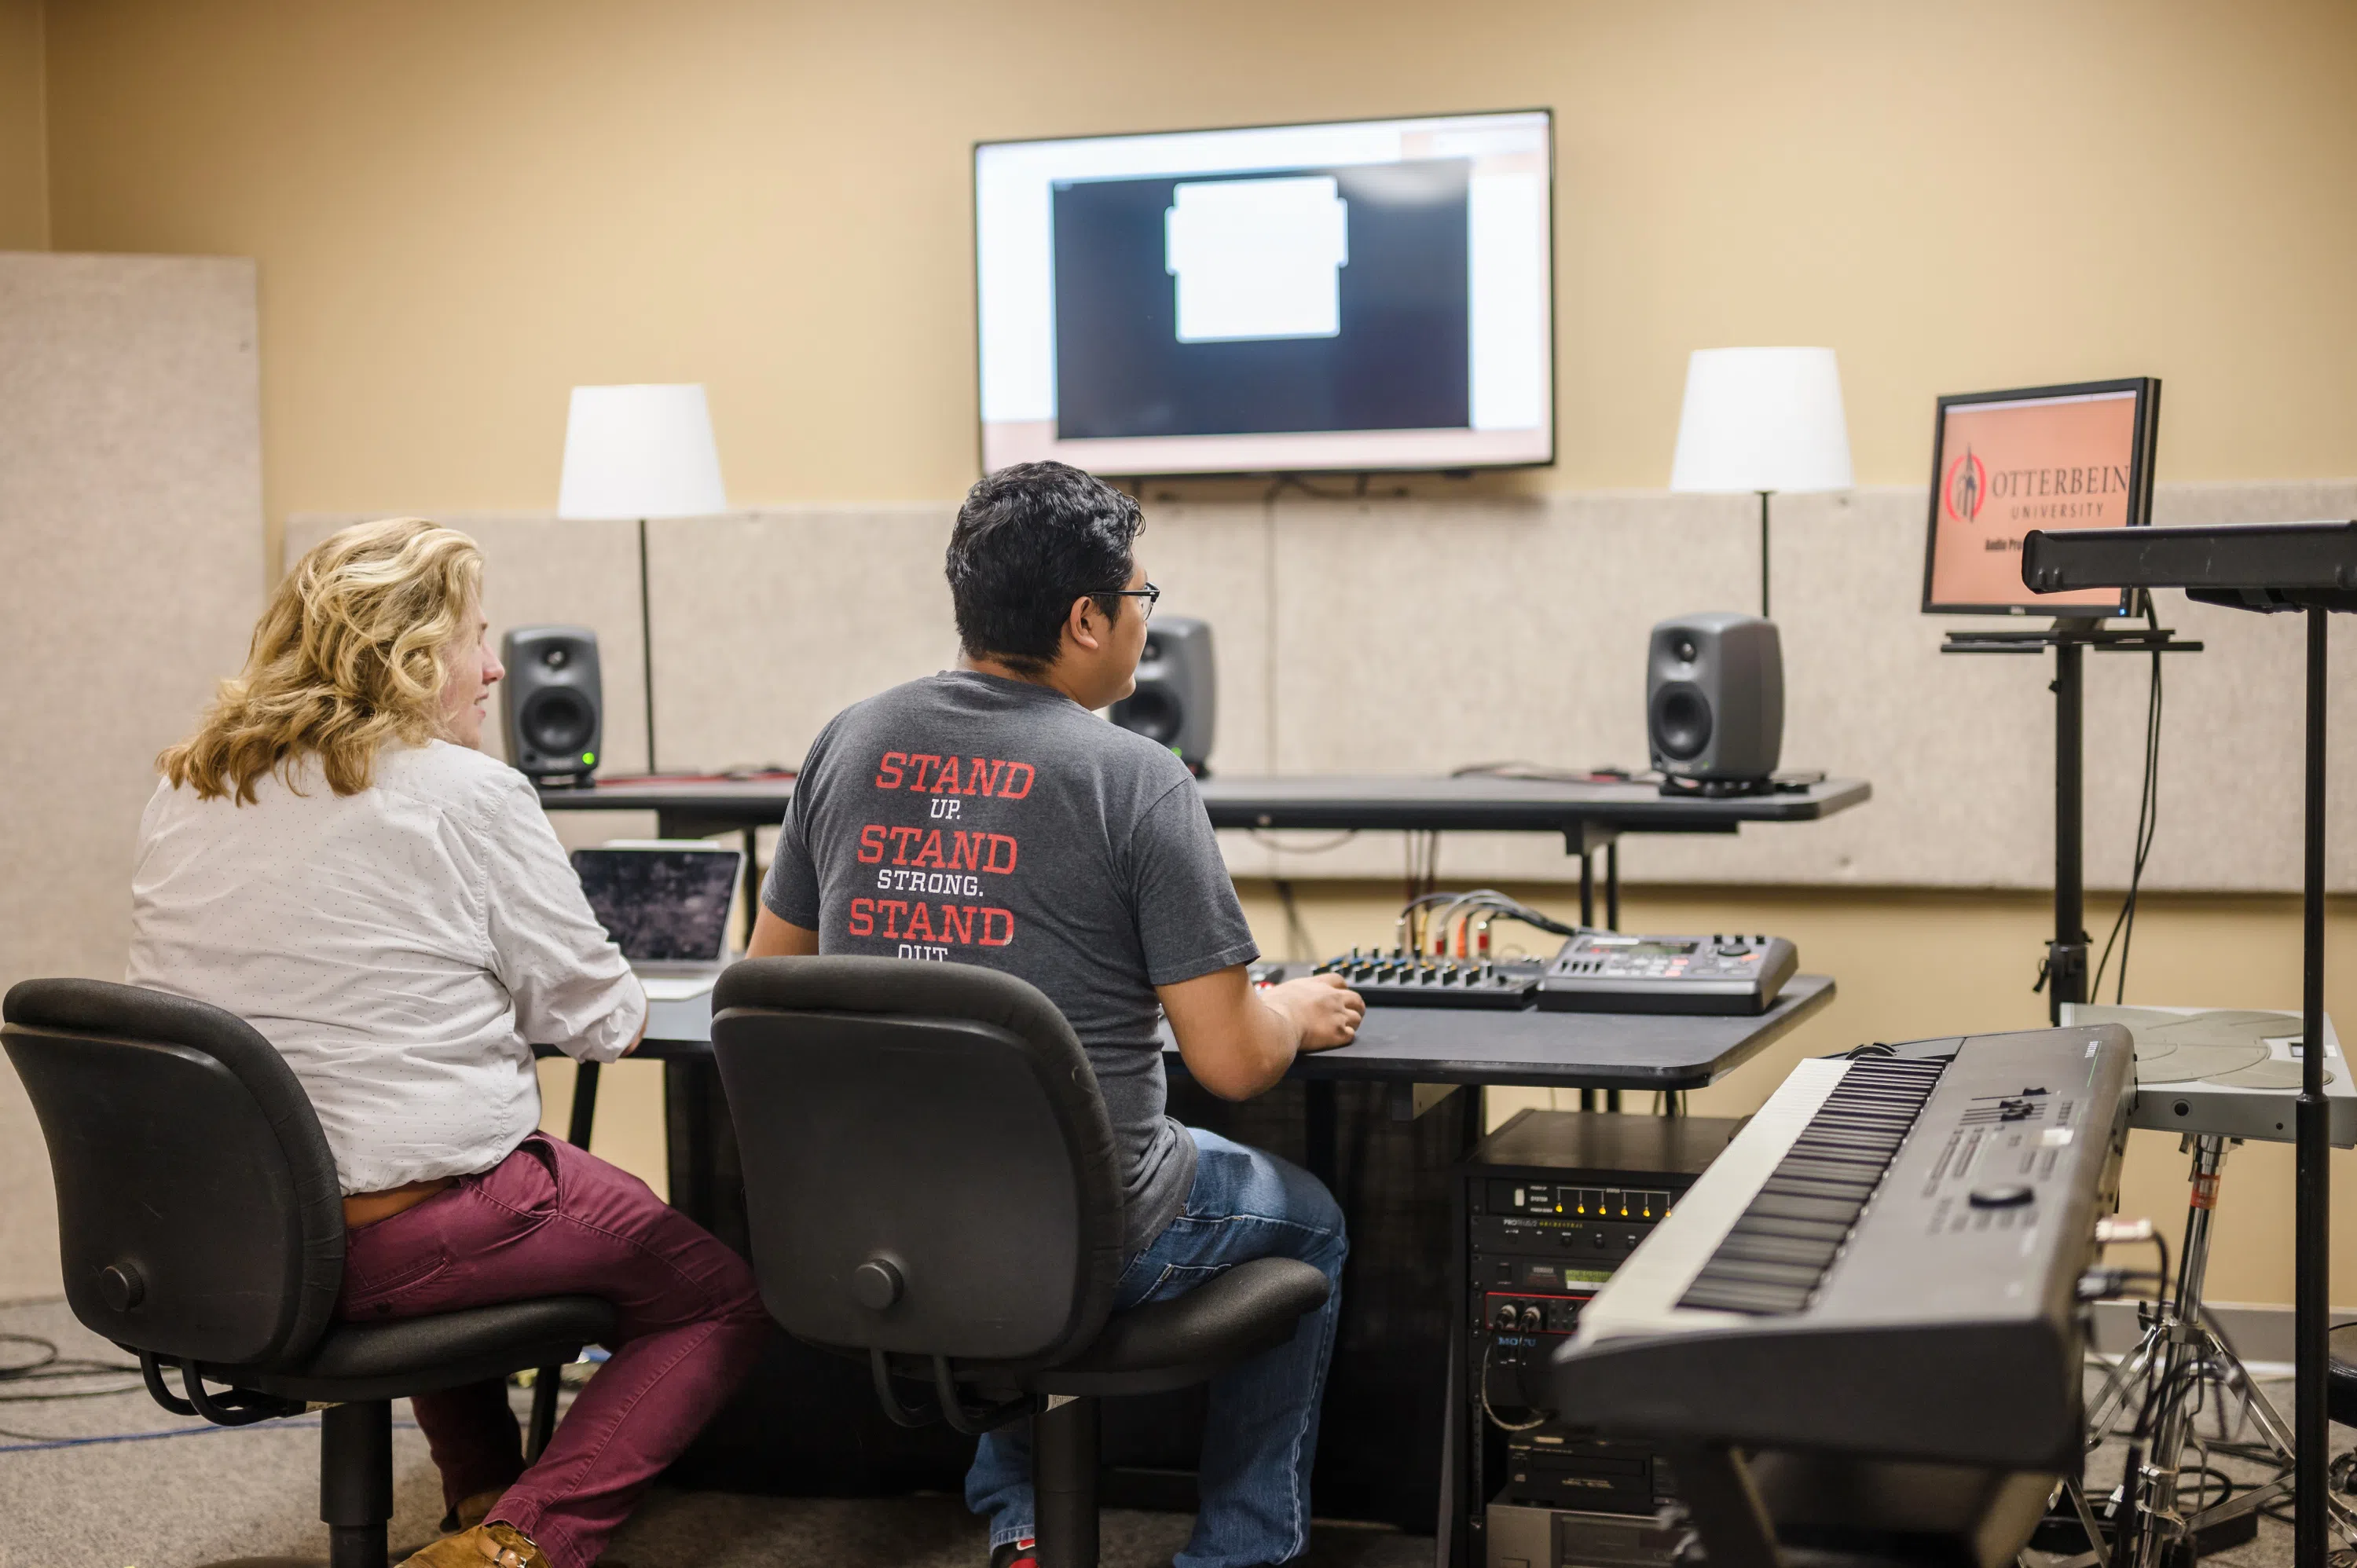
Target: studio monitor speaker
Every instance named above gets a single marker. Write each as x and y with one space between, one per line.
1714 699
1177 698
551 709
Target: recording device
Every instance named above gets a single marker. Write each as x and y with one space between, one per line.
1177 698
2225 1072
1605 971
551 706
1714 702
1554 1201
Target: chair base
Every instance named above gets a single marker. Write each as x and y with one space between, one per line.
1064 1445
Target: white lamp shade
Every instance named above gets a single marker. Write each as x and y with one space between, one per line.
1762 419
639 452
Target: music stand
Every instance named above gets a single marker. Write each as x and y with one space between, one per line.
2270 568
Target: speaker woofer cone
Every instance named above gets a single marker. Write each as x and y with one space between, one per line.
1153 713
1681 718
556 722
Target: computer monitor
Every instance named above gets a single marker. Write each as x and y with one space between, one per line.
2006 463
1357 296
662 901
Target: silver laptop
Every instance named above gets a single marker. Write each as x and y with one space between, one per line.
666 903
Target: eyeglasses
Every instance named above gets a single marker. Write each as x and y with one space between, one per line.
1150 593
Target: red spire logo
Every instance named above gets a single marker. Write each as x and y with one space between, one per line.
1965 489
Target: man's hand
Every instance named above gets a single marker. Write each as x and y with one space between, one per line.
1238 1041
1324 1011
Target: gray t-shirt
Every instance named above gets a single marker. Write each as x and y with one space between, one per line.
973 819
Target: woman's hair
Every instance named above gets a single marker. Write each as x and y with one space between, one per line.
352 651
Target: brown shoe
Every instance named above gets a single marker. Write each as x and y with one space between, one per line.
471 1512
483 1546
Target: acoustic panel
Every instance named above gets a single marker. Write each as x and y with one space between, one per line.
131 520
1392 636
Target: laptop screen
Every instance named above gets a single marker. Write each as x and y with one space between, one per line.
661 906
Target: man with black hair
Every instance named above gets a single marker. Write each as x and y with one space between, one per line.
986 815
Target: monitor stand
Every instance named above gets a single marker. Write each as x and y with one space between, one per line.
2063 972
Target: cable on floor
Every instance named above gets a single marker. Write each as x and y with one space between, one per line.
47 1364
37 1441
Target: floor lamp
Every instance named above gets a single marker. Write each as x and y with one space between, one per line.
632 453
1761 420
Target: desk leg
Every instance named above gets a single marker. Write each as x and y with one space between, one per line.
1320 1131
752 883
1586 889
547 1381
687 1117
1612 923
1460 1538
578 1125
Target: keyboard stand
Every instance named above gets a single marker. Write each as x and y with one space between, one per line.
2309 567
2163 1378
1724 1507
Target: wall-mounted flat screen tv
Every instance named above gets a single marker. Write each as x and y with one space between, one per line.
1368 294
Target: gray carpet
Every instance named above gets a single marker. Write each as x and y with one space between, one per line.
207 1493
197 1494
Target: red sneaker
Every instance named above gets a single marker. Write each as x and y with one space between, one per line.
1019 1554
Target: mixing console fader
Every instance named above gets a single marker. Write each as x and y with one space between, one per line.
1411 980
1552 1201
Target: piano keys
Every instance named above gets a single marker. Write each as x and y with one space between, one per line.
1884 1263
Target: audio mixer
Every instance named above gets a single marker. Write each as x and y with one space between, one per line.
1552 1202
1596 971
1411 980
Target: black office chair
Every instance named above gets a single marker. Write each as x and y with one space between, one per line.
931 1183
201 1228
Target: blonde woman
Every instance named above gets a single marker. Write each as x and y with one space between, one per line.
331 858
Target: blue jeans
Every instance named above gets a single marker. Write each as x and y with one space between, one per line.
1262 1432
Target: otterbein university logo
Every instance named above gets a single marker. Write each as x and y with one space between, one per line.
1966 487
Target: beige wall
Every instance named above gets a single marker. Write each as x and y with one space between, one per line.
24 153
460 209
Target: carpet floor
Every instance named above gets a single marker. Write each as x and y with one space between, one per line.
114 1482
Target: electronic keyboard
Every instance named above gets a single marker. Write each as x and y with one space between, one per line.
1885 1262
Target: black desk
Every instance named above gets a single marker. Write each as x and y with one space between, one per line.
1400 1048
1354 1116
693 808
1377 1120
1590 817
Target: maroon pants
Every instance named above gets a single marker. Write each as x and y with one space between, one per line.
550 1220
